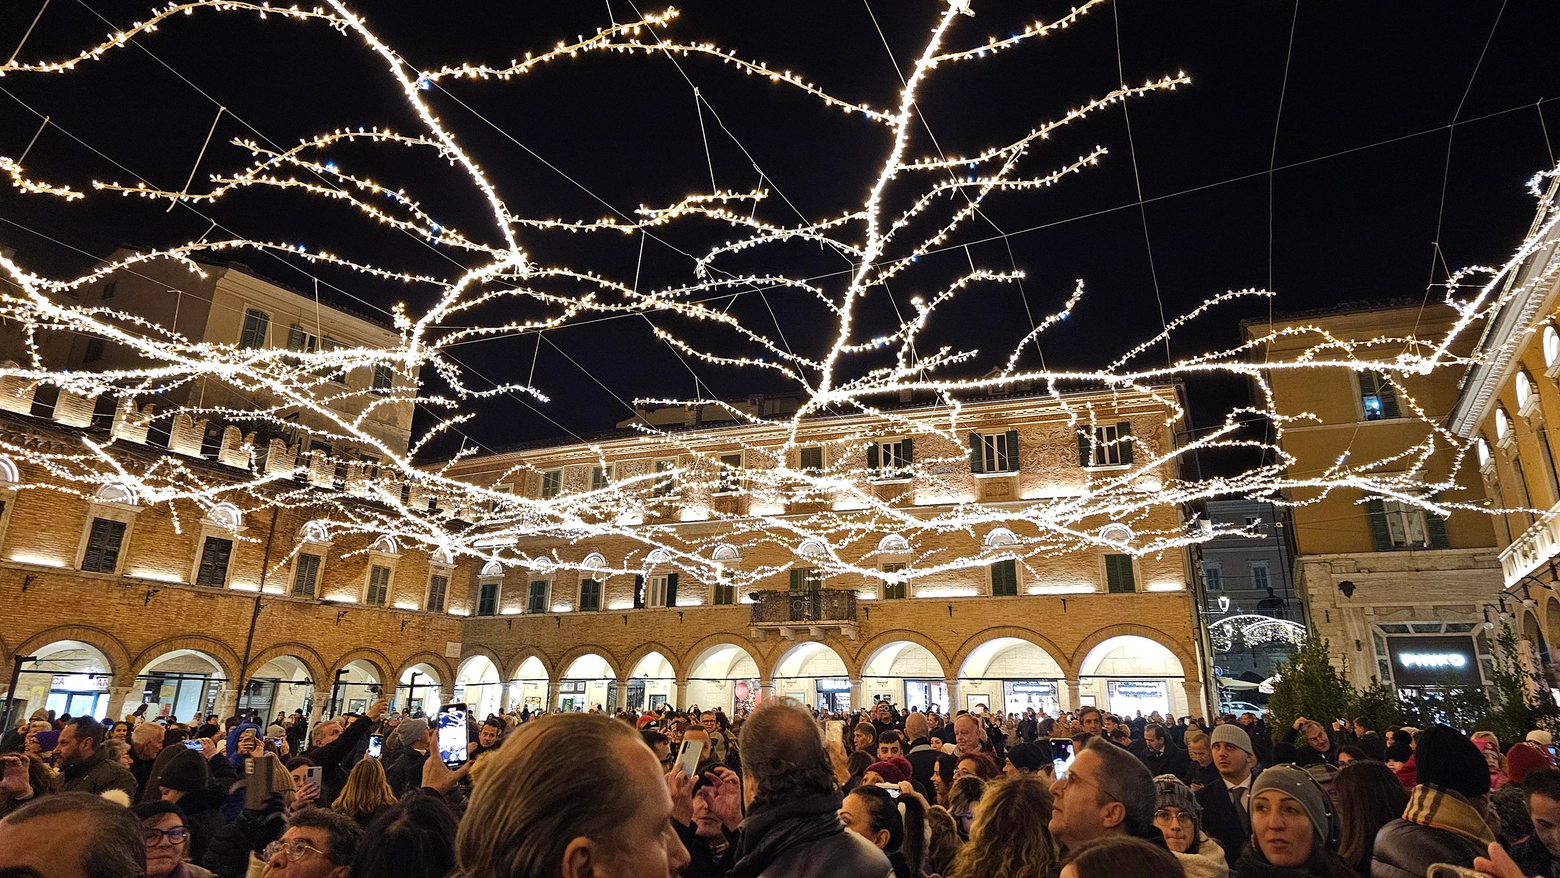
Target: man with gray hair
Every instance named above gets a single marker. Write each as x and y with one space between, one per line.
72 835
1105 792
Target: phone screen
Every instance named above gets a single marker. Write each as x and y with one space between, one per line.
193 744
376 743
452 734
688 759
315 774
835 731
1061 758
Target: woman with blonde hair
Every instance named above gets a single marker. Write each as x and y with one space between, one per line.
1006 839
366 792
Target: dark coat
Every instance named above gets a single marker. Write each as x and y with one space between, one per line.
97 775
923 761
406 770
1220 820
1534 858
1171 760
330 756
803 838
1407 850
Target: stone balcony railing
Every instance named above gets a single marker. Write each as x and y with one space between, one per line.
816 612
1532 548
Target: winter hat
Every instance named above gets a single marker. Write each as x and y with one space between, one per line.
275 731
1171 792
47 740
888 771
407 733
185 772
1027 756
1524 758
1298 785
39 715
1230 733
1541 737
1449 760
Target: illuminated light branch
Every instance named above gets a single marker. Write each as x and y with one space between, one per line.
1038 29
20 180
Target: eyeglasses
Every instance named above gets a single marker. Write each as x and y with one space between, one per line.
175 836
296 849
1177 816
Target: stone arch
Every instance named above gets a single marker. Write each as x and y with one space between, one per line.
562 666
1189 665
472 652
1552 617
897 635
852 667
679 670
116 653
1040 641
433 660
299 651
372 657
1533 632
512 668
691 657
227 660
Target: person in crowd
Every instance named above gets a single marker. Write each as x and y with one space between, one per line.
573 794
942 776
332 743
856 770
415 740
1368 798
487 740
1489 746
1367 740
1290 827
660 746
718 750
891 744
413 839
167 841
1200 751
1113 857
1348 753
185 781
1005 839
1261 737
367 793
118 751
1539 853
895 824
963 797
1225 805
23 778
146 743
1510 801
317 844
1162 757
72 835
1444 820
923 758
943 842
84 765
1179 819
864 737
1318 747
1106 791
1025 758
969 735
41 743
977 765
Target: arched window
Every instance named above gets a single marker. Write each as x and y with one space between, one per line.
385 545
8 471
116 493
1551 345
1000 537
1116 533
226 515
1502 424
658 558
893 544
314 532
812 548
726 552
492 568
1483 449
594 561
443 557
1524 387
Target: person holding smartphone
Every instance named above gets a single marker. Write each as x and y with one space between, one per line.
333 743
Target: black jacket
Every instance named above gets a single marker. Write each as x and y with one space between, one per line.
1220 820
803 838
1171 760
1534 858
329 757
923 761
1407 850
1323 864
1305 754
405 772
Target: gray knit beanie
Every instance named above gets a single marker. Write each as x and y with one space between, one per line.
1297 784
1170 792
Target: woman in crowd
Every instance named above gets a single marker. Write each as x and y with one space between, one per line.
366 794
942 777
942 841
118 750
413 839
1120 857
963 796
1369 797
167 842
1179 819
977 765
1289 829
874 813
1006 839
1489 745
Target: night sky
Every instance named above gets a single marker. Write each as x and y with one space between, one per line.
1354 119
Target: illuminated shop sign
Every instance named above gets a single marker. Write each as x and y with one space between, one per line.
1433 660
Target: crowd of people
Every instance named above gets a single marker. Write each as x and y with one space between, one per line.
781 791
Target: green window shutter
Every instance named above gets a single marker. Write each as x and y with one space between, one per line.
671 589
214 557
798 579
1004 578
977 459
1379 532
639 591
1118 574
1084 457
872 456
1012 451
1124 441
103 543
1435 530
909 448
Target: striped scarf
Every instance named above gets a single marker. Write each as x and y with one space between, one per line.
1441 808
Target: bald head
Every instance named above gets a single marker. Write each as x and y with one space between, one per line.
916 726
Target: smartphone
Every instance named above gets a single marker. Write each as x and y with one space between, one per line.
275 742
315 774
376 743
891 788
193 744
1061 758
1447 870
688 756
453 738
835 731
257 781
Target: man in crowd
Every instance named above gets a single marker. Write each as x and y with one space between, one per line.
1091 721
1225 813
1318 747
333 743
1540 853
318 843
890 744
72 835
1200 750
865 738
145 743
416 739
1106 792
1366 739
84 765
1162 757
969 735
923 759
487 737
717 748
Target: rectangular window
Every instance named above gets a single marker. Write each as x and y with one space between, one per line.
109 289
1259 575
302 341
384 377
725 592
655 591
552 483
893 589
994 452
664 483
1004 578
94 350
1254 524
1405 523
214 557
1118 574
590 594
730 473
812 459
256 325
487 599
378 585
599 477
103 543
1213 577
536 598
438 587
1111 445
806 579
1378 398
306 572
890 460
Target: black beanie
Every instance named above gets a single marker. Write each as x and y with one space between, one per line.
1447 759
186 772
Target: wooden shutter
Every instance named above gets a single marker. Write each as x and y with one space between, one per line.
102 554
1373 383
1379 532
872 456
1118 574
1085 458
798 579
977 457
297 339
671 589
1435 531
1124 441
909 449
214 556
639 591
1012 451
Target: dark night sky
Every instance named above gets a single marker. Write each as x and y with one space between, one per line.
1354 204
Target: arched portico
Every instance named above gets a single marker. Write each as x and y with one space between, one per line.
1010 674
1131 673
723 675
586 684
812 672
529 684
180 683
906 669
478 686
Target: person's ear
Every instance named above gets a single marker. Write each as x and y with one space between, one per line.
1113 814
881 839
341 872
579 859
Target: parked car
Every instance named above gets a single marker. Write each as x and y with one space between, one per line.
1240 707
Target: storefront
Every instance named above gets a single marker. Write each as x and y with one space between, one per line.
926 694
833 693
1131 697
1433 661
1019 696
571 696
178 695
78 694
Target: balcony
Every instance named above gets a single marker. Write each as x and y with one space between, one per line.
815 613
1532 548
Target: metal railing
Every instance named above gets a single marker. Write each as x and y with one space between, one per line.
820 605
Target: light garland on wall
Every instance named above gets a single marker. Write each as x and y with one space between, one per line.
913 207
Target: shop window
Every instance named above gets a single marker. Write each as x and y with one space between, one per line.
1105 445
306 572
1119 578
103 545
438 590
536 597
215 554
1004 578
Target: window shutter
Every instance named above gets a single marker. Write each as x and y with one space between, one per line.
798 579
977 459
102 554
1118 574
1012 451
872 456
1124 441
909 448
1379 532
671 589
1084 434
639 591
1435 530
297 339
1388 393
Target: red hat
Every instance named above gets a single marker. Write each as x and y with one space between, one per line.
1523 758
889 771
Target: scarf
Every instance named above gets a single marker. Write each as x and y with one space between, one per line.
1441 808
773 829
